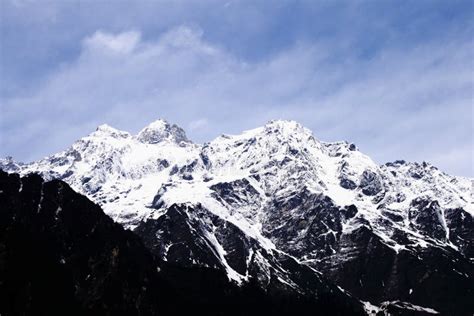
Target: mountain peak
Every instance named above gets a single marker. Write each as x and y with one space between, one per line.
107 130
286 126
283 123
158 124
160 130
104 127
287 130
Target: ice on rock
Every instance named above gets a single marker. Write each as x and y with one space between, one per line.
105 130
240 178
161 130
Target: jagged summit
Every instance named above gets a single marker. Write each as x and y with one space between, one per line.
277 188
160 130
154 133
9 164
283 128
285 125
274 136
107 130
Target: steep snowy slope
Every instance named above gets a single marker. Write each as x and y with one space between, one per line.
277 193
61 255
119 171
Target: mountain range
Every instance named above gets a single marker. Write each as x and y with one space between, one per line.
273 211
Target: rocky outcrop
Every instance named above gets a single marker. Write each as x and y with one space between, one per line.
61 255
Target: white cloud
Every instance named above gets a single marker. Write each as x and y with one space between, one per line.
198 124
411 104
184 37
123 43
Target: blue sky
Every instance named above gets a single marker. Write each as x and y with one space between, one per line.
395 77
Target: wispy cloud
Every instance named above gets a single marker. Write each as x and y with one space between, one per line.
198 124
123 43
410 102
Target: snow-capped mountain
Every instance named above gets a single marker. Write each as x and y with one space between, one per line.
275 203
61 255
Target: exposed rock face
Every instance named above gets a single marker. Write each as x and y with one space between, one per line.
461 230
370 183
250 204
9 164
427 216
61 255
160 131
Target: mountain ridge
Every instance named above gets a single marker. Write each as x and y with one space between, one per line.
60 254
287 192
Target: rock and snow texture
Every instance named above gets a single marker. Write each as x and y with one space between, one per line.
61 255
327 206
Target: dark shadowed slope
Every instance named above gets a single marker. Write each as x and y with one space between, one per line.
61 255
277 208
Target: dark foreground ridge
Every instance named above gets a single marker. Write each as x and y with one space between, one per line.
61 255
303 226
